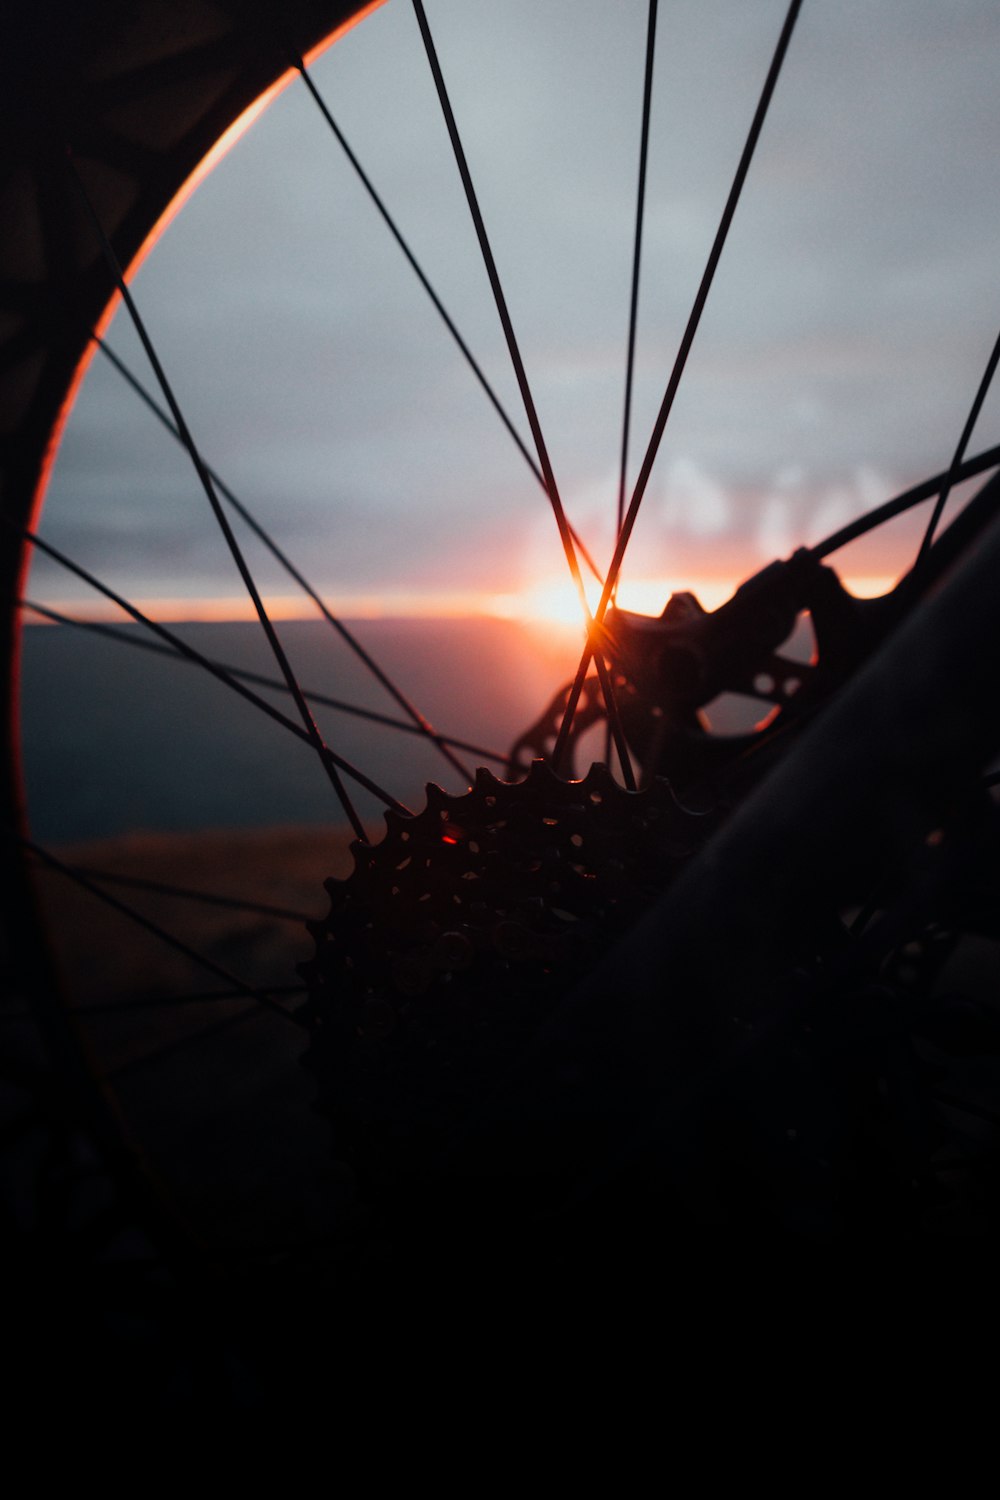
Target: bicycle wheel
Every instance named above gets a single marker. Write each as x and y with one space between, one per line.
87 288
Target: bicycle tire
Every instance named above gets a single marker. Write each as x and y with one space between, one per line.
86 286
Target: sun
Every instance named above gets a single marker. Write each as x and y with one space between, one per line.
555 601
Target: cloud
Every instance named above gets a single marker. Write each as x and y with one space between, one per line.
694 500
841 344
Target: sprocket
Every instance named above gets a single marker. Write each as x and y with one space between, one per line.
455 937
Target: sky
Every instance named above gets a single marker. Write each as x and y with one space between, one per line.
853 312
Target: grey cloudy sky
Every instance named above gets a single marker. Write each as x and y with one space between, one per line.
855 306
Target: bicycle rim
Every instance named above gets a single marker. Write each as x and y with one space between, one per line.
90 289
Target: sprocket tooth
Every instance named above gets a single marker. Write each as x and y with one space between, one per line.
455 803
397 834
396 822
437 798
600 779
597 786
486 783
538 773
362 855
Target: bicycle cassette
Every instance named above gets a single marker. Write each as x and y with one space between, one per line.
454 937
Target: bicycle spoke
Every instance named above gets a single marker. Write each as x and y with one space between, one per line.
158 1002
184 893
904 502
210 666
205 480
155 1002
680 361
700 300
493 274
428 287
123 635
963 443
551 488
424 726
647 95
179 946
179 1044
978 1110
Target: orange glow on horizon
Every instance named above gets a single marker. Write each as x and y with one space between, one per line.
556 600
553 603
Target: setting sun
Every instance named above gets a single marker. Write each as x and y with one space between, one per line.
556 599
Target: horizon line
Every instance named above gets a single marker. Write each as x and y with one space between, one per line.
546 604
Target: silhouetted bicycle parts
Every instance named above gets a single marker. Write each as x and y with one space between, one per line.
744 1056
